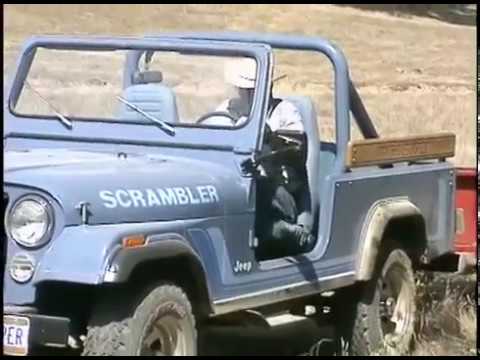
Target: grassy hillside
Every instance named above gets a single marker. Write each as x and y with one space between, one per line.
416 75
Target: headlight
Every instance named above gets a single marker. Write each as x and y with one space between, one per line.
30 221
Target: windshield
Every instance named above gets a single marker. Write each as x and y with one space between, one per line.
166 87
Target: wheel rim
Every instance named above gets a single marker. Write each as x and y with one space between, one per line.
395 304
165 337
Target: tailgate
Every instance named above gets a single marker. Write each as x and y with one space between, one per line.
466 210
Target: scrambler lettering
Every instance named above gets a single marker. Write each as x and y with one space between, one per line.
126 198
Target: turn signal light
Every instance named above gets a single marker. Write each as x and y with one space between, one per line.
133 241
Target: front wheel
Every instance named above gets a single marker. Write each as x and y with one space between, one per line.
383 319
162 325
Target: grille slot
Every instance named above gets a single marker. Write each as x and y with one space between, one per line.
3 248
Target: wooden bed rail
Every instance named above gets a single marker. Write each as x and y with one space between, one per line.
371 152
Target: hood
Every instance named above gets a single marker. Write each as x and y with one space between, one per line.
130 187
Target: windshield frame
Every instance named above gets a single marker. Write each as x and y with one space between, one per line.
259 52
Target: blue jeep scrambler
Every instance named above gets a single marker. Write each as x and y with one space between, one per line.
127 234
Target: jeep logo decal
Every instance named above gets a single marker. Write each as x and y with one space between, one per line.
159 197
242 266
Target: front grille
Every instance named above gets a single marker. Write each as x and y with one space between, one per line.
3 248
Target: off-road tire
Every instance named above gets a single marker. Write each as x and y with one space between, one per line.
362 325
117 334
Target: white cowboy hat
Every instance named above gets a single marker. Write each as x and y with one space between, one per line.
241 72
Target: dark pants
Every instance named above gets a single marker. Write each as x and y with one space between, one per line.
283 205
276 221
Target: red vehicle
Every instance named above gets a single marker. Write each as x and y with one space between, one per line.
466 218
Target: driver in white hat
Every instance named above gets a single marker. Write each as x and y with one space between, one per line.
277 204
241 73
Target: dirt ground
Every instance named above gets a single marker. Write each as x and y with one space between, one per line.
416 75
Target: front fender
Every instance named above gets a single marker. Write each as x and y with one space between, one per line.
84 254
78 254
157 247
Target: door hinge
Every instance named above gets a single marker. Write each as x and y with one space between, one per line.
252 240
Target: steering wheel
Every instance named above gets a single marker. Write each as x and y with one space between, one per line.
216 113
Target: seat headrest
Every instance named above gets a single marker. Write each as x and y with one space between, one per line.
147 77
157 100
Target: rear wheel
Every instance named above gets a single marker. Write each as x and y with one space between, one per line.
162 325
383 318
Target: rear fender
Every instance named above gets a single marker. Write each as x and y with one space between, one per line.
377 220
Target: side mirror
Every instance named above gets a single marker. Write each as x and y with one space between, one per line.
249 166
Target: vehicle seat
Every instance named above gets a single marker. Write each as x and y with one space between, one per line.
155 99
308 209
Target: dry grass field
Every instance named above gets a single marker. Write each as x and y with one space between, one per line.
448 316
415 74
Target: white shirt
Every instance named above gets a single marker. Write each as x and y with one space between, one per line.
285 116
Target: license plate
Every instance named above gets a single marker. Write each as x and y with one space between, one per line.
15 335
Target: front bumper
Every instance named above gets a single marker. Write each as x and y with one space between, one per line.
49 331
